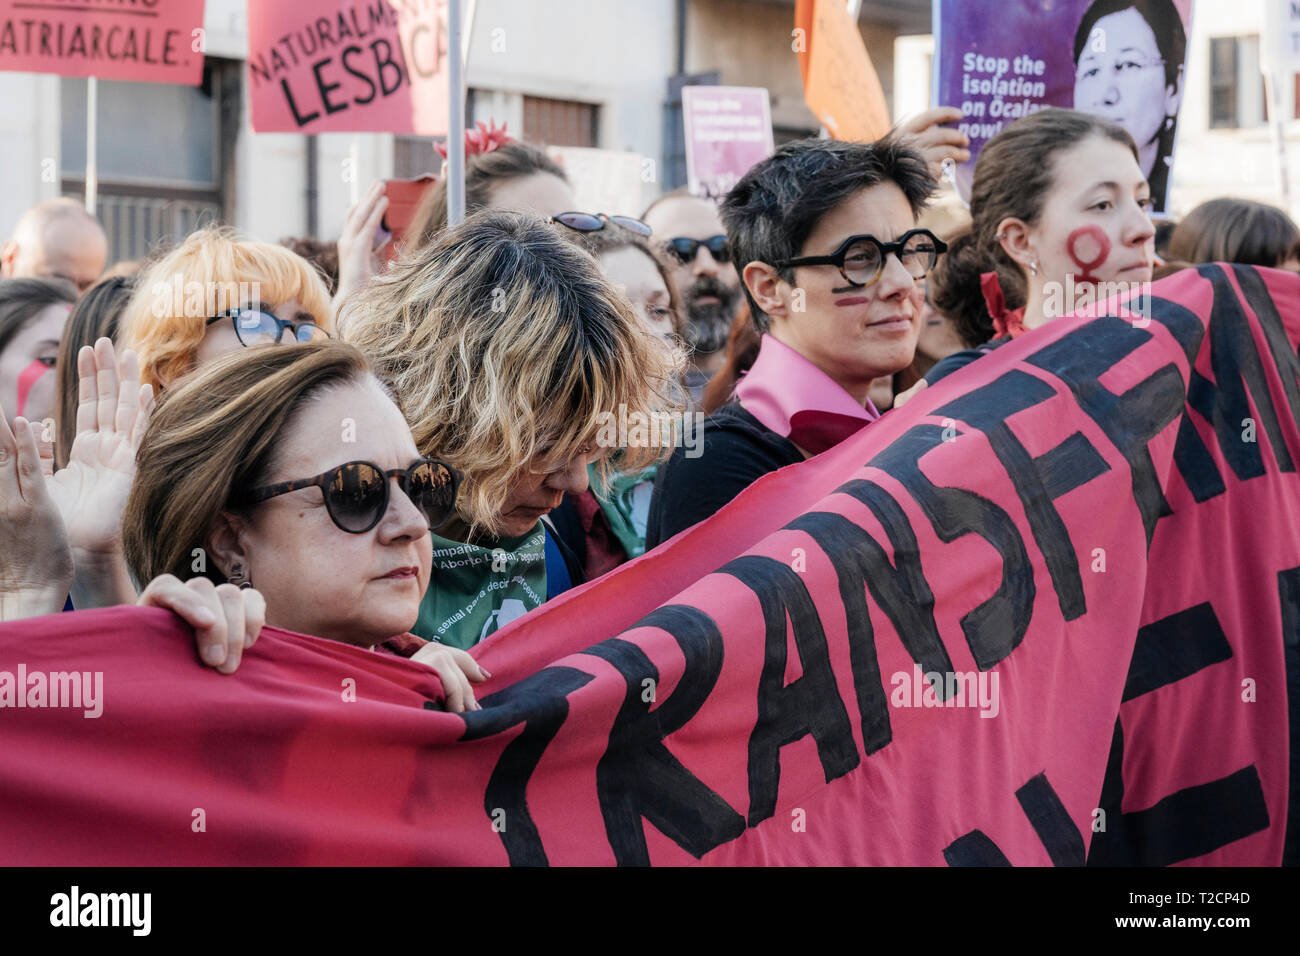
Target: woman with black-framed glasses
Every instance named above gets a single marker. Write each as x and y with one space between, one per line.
218 293
288 480
254 326
861 259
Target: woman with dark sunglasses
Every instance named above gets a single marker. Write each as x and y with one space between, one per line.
287 480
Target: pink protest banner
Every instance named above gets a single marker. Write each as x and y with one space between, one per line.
1045 614
149 41
348 66
728 130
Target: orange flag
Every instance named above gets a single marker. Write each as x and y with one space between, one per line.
840 84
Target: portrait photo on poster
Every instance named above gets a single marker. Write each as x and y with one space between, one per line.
1123 60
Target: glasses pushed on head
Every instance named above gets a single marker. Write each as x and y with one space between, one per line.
594 222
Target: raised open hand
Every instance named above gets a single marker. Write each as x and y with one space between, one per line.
35 562
359 242
91 492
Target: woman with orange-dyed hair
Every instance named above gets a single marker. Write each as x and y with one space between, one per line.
216 293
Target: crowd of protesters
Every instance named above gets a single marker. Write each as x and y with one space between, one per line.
196 430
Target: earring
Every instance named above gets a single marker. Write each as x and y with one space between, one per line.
237 577
1033 267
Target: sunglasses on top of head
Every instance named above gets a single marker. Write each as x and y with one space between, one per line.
594 222
356 493
254 326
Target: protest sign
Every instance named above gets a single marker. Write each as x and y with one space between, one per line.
348 66
728 130
1279 49
840 84
997 61
1044 615
149 41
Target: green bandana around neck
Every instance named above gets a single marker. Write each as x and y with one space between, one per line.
477 589
626 506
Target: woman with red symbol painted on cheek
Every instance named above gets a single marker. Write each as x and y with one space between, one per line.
33 313
1060 218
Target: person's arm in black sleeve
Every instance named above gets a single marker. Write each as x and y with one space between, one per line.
689 490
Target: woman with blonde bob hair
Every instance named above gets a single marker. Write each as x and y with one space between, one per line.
216 293
510 353
259 464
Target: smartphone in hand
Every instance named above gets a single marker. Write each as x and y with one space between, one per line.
404 197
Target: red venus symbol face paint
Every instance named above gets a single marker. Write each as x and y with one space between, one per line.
26 379
1089 247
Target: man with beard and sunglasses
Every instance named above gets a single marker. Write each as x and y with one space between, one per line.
690 230
824 236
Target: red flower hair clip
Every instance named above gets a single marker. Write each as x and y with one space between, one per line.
481 140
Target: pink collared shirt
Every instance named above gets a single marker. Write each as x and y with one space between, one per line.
794 398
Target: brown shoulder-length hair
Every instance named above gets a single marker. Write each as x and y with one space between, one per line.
95 316
483 172
213 438
1014 174
1234 230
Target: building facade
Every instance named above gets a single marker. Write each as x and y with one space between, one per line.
576 73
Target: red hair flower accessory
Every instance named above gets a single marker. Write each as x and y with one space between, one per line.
481 140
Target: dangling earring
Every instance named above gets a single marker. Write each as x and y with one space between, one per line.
237 577
1033 267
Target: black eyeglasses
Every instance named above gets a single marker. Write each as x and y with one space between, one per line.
356 494
861 259
685 248
258 327
592 222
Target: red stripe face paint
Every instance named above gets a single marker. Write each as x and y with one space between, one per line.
1089 247
26 379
